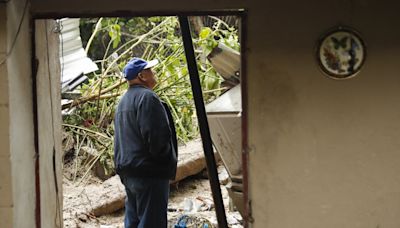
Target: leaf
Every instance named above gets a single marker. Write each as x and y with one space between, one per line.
116 41
115 34
205 32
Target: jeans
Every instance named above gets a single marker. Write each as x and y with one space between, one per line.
146 202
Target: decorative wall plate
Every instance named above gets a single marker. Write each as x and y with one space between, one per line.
341 53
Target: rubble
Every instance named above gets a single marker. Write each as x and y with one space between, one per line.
84 205
191 189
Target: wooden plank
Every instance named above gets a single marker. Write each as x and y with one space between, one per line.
49 138
55 91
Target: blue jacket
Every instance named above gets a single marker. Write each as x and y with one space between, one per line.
145 139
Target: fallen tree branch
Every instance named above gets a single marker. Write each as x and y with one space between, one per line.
88 130
83 100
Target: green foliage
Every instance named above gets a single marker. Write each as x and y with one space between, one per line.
115 42
115 34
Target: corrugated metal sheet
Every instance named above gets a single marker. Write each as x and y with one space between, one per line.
73 58
226 61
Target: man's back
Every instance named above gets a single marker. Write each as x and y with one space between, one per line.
143 142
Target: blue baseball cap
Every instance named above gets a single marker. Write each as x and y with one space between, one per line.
136 65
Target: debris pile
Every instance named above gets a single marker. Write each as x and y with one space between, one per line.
97 203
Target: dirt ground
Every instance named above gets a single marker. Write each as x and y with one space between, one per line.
192 194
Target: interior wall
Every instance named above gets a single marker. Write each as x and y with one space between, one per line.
6 201
324 153
20 122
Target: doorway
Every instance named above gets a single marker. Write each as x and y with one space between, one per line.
57 158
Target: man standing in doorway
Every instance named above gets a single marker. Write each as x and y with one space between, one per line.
145 148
